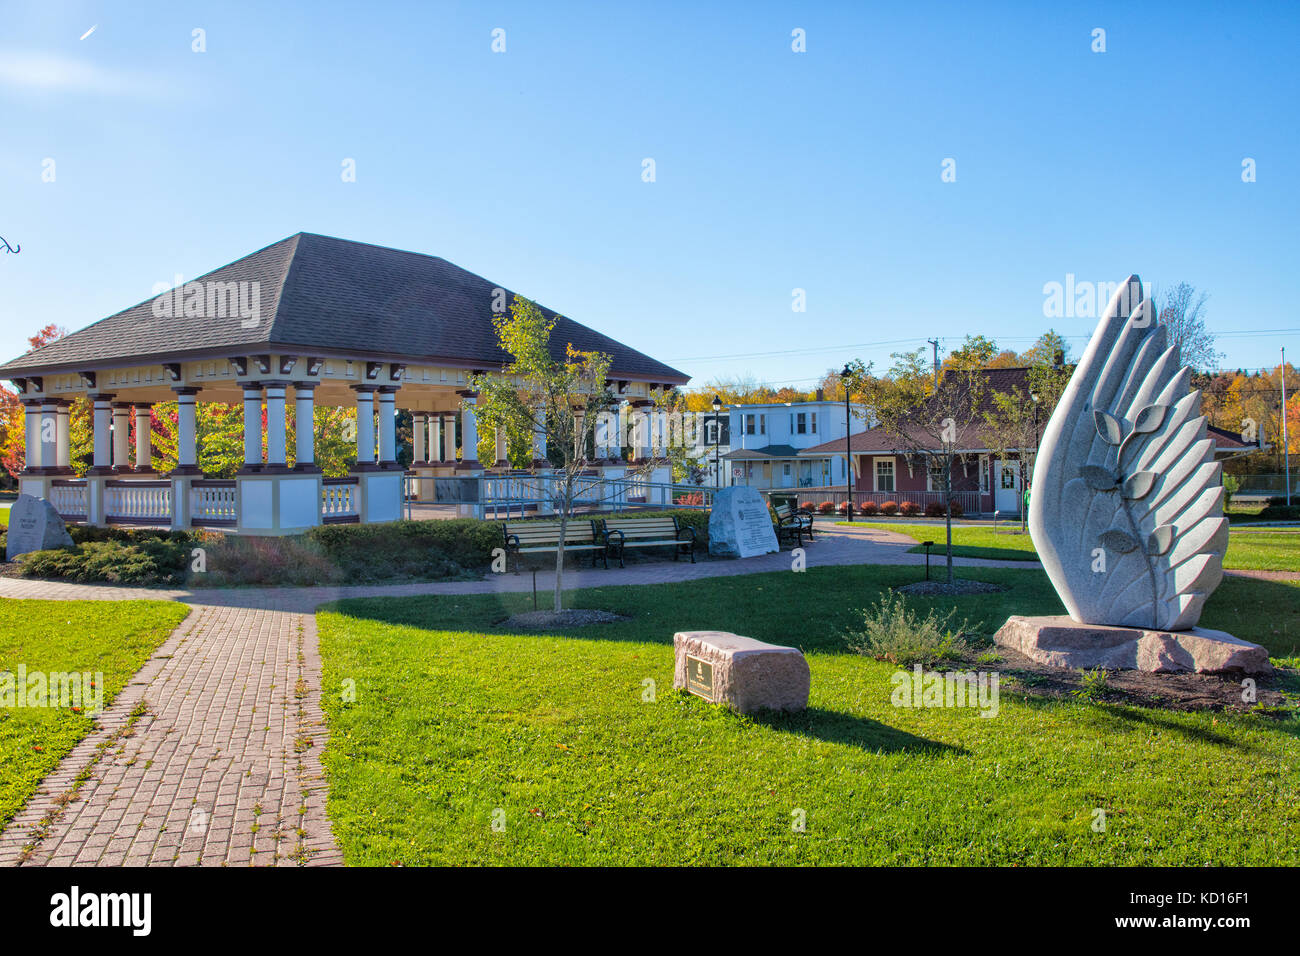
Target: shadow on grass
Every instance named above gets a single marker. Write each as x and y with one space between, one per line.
1122 718
837 727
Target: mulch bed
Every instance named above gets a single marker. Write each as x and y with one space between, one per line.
959 586
1179 692
579 617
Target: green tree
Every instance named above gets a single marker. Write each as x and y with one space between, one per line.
930 421
535 391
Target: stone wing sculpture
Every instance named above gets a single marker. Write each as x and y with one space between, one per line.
1126 509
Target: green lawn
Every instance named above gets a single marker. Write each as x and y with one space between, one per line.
455 721
112 637
1247 550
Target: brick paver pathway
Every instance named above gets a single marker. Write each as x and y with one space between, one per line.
211 754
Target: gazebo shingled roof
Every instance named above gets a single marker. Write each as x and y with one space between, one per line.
322 294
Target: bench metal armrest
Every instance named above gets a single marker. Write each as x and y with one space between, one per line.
512 538
609 534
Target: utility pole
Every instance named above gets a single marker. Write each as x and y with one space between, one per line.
1286 451
935 343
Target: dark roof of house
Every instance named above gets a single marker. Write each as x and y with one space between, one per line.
767 451
318 292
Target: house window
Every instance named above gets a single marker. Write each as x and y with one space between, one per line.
787 470
814 423
801 423
884 474
749 424
1008 477
935 473
762 424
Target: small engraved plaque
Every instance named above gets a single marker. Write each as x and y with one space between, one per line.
699 678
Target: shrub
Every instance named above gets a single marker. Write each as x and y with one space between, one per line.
893 632
909 508
826 507
1231 485
695 498
889 508
1281 512
405 548
955 509
157 560
808 507
867 508
842 508
934 510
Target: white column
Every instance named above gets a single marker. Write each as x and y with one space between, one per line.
48 435
468 436
501 460
419 430
187 431
579 426
448 438
32 442
387 426
143 438
103 460
252 428
121 436
305 426
539 447
276 456
365 427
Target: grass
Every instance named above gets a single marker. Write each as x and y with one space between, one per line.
1247 550
112 637
560 741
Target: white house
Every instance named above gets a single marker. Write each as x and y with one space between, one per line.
767 439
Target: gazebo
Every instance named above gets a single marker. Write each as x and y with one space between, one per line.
309 320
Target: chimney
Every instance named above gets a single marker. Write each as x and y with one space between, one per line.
821 395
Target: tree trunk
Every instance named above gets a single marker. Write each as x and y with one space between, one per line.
565 504
947 494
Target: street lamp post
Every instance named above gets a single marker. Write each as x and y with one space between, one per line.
848 448
717 441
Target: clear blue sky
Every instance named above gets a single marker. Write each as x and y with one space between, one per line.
775 170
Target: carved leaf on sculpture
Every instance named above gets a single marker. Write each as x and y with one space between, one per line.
1138 484
1109 428
1160 540
1120 542
1129 421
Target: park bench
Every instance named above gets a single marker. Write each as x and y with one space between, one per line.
791 523
623 533
540 537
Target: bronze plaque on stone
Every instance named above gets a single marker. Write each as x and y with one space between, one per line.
699 678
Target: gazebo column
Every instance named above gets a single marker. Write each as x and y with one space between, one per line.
365 427
275 499
579 436
144 439
613 465
662 472
539 448
502 453
32 442
449 439
187 455
121 436
468 435
102 468
304 402
379 486
388 428
252 429
63 438
277 459
419 434
49 437
422 452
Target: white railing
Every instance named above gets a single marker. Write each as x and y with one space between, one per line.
503 496
68 496
339 500
213 502
138 502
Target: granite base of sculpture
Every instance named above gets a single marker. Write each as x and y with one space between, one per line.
34 525
1127 511
1062 642
745 674
740 526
